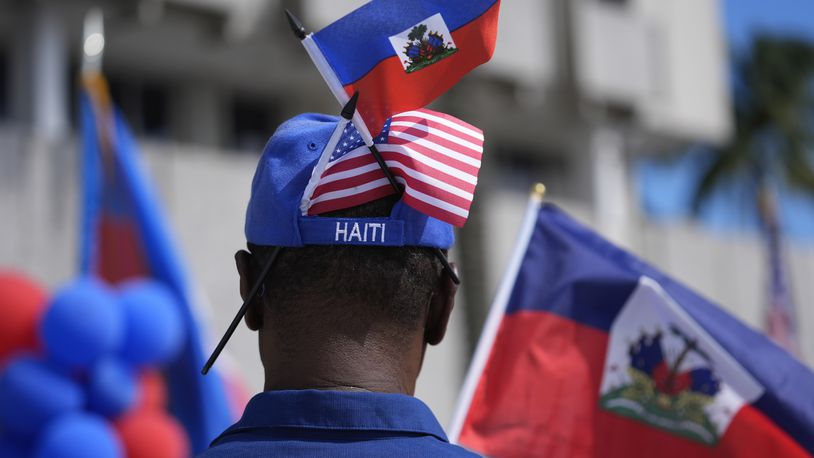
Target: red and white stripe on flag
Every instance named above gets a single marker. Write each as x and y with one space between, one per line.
435 156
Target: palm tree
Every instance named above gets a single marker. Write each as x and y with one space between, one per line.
774 132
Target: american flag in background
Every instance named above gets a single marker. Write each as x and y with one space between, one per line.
780 321
436 157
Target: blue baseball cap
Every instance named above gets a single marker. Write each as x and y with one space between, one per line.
274 218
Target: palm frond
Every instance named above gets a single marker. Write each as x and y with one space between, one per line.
774 120
799 173
725 164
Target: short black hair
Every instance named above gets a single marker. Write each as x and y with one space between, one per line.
351 283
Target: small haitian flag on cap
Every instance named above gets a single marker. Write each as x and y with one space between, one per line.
403 54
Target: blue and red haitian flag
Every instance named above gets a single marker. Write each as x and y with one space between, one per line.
124 236
594 353
402 54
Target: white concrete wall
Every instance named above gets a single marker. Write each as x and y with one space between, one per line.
690 68
38 207
665 59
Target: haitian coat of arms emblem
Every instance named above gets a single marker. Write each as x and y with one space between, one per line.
660 389
663 369
424 44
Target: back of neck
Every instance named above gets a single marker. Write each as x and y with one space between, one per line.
376 362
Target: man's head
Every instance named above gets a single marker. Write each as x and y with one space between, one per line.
388 300
351 294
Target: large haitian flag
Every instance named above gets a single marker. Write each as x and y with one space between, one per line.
124 236
589 352
402 54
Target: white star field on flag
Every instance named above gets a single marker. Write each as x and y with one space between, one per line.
351 140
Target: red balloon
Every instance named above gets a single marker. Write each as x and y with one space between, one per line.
152 434
152 391
22 303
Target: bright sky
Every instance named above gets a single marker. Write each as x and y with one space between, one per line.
666 187
747 17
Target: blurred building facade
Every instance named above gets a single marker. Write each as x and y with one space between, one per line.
576 89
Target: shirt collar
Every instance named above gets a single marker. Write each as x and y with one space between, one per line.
339 410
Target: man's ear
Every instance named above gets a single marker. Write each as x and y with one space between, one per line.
441 305
254 313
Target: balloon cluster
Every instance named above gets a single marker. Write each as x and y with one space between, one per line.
79 373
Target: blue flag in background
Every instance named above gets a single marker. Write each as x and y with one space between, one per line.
123 236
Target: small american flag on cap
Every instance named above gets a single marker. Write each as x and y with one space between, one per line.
436 157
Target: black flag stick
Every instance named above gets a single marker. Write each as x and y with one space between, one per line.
301 33
240 313
296 25
350 108
378 156
445 263
383 165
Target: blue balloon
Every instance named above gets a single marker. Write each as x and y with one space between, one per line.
79 435
112 388
32 394
10 448
154 330
83 323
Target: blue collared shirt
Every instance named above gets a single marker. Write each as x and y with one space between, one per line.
314 423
